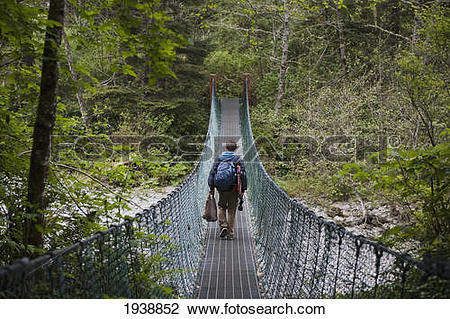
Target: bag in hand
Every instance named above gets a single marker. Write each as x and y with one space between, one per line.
210 213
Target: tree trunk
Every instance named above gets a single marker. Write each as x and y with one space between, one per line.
340 27
43 127
284 59
395 20
80 99
416 34
27 57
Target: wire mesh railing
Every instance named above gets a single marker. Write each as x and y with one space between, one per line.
156 254
301 255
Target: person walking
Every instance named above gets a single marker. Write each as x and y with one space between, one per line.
228 176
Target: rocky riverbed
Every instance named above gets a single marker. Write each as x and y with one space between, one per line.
145 197
368 219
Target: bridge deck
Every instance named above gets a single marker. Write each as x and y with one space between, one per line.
228 270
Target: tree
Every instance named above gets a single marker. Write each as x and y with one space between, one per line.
73 72
43 128
284 58
340 27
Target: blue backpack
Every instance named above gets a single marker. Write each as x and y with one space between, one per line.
226 175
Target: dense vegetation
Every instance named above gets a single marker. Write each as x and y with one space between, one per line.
350 98
131 76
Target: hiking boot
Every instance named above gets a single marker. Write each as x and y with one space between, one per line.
223 232
230 235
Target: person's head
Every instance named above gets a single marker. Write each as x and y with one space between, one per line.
231 146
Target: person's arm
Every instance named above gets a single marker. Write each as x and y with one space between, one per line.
212 174
243 176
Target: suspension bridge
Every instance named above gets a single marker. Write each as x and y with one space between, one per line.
281 250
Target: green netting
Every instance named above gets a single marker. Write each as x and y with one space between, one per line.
301 255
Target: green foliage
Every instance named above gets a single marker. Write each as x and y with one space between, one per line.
313 182
14 162
80 206
228 66
417 177
121 176
164 174
118 48
141 172
132 31
19 22
153 269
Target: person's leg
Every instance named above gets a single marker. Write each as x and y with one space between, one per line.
223 204
232 204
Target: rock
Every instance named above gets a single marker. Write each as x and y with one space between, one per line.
355 230
334 211
355 221
339 220
347 213
373 220
380 216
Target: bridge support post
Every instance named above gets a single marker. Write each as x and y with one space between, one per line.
212 84
246 81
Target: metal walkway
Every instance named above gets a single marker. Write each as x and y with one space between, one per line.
228 270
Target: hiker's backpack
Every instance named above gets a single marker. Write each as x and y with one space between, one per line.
226 175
